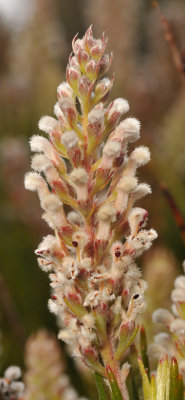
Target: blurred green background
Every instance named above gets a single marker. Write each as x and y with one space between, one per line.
35 43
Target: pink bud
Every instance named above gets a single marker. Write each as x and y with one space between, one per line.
73 76
83 86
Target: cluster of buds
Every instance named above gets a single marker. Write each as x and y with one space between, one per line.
10 387
173 342
45 378
86 182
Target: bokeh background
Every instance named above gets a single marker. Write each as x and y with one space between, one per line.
35 43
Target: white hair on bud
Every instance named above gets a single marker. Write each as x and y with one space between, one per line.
130 128
120 106
51 203
127 184
112 149
162 316
178 326
79 176
107 213
40 162
48 124
12 373
32 181
75 218
141 155
69 139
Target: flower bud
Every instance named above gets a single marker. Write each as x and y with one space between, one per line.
102 88
84 86
95 121
64 90
91 70
104 65
73 76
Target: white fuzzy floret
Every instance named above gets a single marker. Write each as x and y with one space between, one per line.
32 181
81 238
179 282
162 316
69 139
141 155
17 388
120 106
79 176
107 213
156 350
12 373
127 184
112 149
75 218
130 128
40 162
48 242
40 144
178 326
178 295
51 203
47 124
53 307
136 216
142 190
95 115
162 338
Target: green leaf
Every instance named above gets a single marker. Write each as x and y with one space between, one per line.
101 387
125 342
135 372
133 395
143 347
116 393
181 388
174 381
163 379
153 388
146 383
